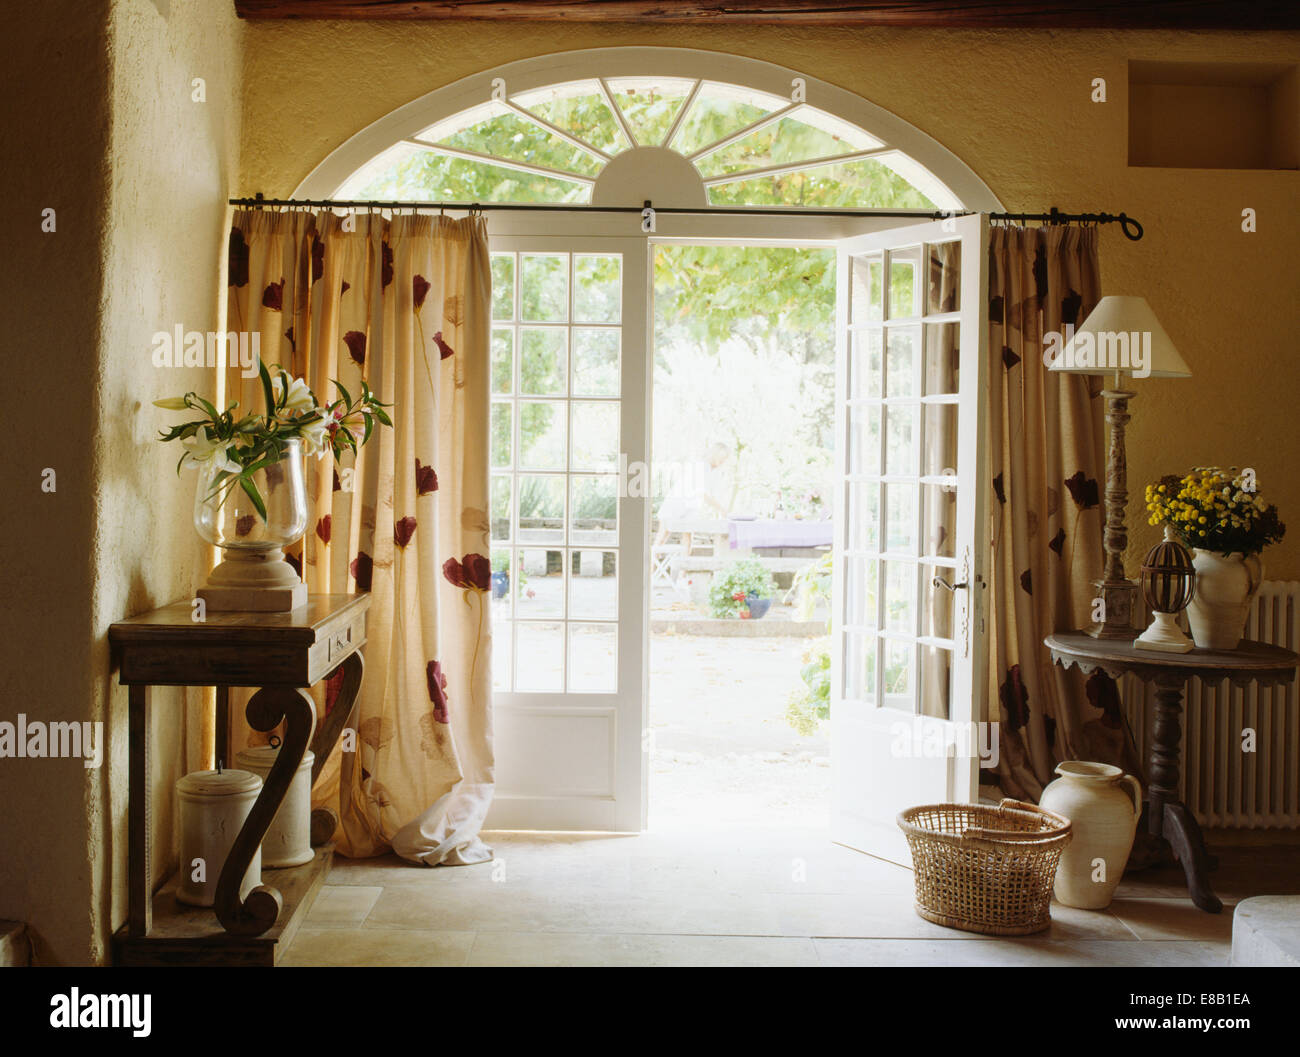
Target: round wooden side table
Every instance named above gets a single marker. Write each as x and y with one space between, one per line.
1168 818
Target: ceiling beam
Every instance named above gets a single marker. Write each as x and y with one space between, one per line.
1058 14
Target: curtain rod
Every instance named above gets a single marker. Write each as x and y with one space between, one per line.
1131 227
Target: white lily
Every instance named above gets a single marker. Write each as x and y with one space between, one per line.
203 448
172 403
315 437
300 398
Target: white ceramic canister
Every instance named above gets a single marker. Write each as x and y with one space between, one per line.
288 840
1104 818
212 807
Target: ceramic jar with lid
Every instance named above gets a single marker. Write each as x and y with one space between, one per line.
212 807
288 838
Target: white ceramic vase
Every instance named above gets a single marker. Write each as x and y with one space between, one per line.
1104 815
1225 588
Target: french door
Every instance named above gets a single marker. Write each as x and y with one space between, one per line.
568 534
907 658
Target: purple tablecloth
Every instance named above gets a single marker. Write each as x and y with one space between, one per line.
770 533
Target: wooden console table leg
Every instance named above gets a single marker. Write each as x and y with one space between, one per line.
266 709
139 866
222 731
323 820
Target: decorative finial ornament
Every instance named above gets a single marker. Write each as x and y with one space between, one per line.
1168 582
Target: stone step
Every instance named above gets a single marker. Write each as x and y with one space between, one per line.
1266 931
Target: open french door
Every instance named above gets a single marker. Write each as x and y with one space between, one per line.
569 378
907 658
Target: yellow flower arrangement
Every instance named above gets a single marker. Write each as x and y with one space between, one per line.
1215 508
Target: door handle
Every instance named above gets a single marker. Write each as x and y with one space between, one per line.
939 581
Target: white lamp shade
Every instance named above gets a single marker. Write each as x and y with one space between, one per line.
1122 333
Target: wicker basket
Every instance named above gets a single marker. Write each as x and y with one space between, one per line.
985 869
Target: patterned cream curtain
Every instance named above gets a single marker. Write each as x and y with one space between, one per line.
404 303
1047 472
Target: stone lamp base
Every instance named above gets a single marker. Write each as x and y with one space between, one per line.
253 582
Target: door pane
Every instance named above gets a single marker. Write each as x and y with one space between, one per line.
864 439
936 602
542 434
942 358
598 286
541 508
860 591
944 278
900 366
900 660
900 597
543 363
900 518
904 287
940 456
595 361
540 664
860 666
593 585
863 516
503 286
539 587
503 359
544 288
938 531
503 434
593 657
900 438
868 289
593 510
595 436
865 364
936 681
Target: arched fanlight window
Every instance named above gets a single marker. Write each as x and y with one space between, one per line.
718 143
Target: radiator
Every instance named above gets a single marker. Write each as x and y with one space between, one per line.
1225 787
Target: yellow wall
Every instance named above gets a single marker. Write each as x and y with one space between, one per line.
104 127
1014 105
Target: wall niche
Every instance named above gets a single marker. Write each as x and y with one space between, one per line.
1210 115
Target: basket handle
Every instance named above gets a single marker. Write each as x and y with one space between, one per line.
1024 808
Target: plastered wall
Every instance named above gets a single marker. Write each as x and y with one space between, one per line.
1015 105
101 104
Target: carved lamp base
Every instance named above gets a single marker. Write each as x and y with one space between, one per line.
1119 602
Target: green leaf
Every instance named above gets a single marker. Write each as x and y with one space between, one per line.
250 489
267 391
382 415
343 392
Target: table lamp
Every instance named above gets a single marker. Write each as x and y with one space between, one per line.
1120 336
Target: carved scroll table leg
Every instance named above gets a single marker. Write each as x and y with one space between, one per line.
323 820
266 708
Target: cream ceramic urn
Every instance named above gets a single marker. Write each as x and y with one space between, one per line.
212 807
288 838
1103 804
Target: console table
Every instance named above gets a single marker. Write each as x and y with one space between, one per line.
1168 818
282 654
